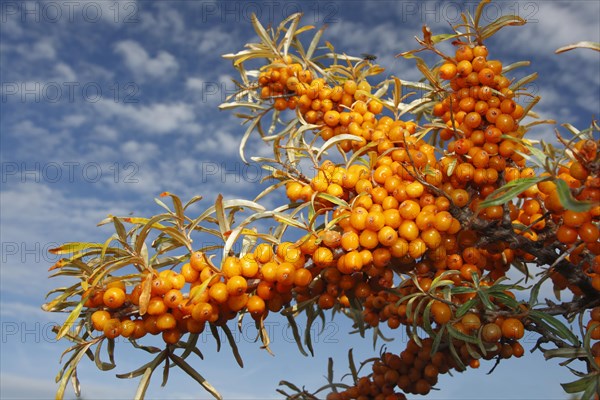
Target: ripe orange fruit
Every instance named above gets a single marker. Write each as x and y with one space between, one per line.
173 298
326 301
236 285
512 328
197 261
231 267
285 273
172 336
156 306
99 319
447 71
112 328
255 305
471 322
237 302
202 311
491 332
567 235
166 321
440 312
218 292
114 297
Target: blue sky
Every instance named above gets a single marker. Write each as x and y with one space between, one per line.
106 104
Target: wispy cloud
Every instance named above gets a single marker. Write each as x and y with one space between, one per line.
163 66
157 118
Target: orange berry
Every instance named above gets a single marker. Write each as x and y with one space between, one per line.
440 312
166 321
255 305
197 261
574 219
218 292
264 253
114 297
173 298
236 285
491 332
326 301
567 235
112 328
512 328
99 319
156 306
387 236
231 267
408 230
588 232
202 311
172 336
368 239
127 328
447 71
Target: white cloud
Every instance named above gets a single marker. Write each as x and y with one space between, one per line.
28 128
167 21
105 132
216 41
139 151
142 64
158 118
73 121
65 72
43 49
195 83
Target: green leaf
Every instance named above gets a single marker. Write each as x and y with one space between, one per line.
567 200
73 247
291 386
352 366
555 325
69 322
523 81
461 336
314 43
478 12
143 385
188 369
437 340
220 212
567 352
465 307
509 191
102 365
296 333
234 348
579 385
335 140
579 45
505 20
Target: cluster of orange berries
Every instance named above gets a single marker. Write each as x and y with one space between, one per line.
165 309
578 229
416 369
483 131
339 109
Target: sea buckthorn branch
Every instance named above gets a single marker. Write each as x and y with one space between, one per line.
401 225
